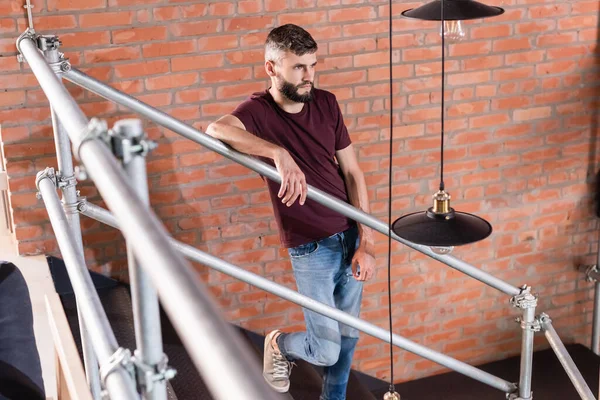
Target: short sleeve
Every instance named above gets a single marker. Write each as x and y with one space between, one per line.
249 112
342 138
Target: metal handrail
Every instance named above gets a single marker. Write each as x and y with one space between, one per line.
167 121
104 216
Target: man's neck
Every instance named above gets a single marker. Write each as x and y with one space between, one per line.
284 103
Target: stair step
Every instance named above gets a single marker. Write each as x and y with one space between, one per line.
356 390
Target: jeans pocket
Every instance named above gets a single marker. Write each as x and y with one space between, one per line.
303 250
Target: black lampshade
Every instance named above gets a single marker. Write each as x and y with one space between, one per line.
452 229
453 10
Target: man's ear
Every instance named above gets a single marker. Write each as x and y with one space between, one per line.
270 68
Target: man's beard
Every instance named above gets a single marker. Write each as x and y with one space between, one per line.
290 92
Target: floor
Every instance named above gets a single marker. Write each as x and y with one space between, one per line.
36 273
549 379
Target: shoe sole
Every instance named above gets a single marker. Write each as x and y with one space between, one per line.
277 388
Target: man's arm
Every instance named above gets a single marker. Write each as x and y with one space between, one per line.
230 130
358 196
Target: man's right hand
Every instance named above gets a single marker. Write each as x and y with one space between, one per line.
293 182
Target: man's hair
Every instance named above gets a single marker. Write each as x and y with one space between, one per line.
290 38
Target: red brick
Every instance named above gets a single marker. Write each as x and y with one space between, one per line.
488 120
352 14
145 34
193 95
468 78
12 98
306 18
511 45
166 13
248 23
528 28
169 48
84 39
556 39
548 11
579 22
156 99
103 19
226 75
470 49
245 57
50 22
171 81
532 113
574 51
24 115
11 7
218 43
221 8
556 67
275 5
143 16
582 7
239 90
513 73
37 247
111 54
195 28
486 32
341 78
420 54
8 64
142 69
124 3
364 28
196 62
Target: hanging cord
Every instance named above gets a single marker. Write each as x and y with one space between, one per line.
392 389
442 112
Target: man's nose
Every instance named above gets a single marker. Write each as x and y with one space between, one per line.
308 75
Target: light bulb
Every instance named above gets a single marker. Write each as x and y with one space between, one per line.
452 31
442 250
391 395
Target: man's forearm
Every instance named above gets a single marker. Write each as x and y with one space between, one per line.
242 140
359 198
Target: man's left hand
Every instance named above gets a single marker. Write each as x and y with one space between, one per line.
366 262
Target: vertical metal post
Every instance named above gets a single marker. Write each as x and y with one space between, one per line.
130 145
117 380
596 321
69 200
565 359
527 302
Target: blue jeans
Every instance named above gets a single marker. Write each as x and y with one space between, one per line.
323 271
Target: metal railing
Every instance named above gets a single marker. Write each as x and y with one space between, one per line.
211 342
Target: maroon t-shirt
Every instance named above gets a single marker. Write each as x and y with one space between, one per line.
312 137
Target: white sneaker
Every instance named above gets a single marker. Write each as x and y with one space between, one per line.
276 368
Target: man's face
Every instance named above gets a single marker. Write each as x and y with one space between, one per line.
294 76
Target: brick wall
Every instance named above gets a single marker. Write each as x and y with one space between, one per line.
521 135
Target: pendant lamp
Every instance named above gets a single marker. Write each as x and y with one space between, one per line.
441 227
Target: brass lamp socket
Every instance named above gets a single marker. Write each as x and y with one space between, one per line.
441 202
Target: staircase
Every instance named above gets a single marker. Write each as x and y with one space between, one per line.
306 380
549 380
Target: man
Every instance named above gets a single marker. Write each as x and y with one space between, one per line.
300 130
